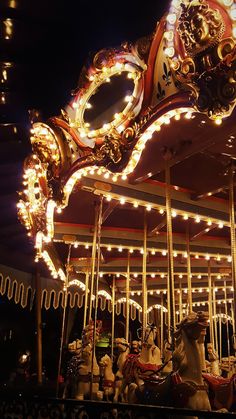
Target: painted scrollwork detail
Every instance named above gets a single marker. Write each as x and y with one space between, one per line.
200 27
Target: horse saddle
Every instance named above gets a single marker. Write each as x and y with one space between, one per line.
221 390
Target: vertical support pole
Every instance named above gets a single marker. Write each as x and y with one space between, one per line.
113 317
144 276
227 321
189 280
220 334
162 326
86 297
210 304
180 300
127 298
170 280
98 247
232 232
63 319
94 251
215 315
39 327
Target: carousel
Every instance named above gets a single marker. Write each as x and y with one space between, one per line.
128 197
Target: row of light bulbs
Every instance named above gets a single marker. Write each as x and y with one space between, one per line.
153 251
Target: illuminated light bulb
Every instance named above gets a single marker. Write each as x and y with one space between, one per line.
151 292
188 115
207 257
197 219
88 105
59 210
75 105
209 222
185 255
218 120
166 120
162 276
220 225
123 177
120 249
101 274
86 246
114 178
171 18
152 275
122 201
141 251
233 13
117 116
135 204
216 289
108 79
170 51
177 117
153 252
199 276
185 291
169 35
148 207
185 217
91 78
75 245
158 292
108 198
161 211
180 276
164 252
106 175
91 172
109 248
175 255
196 256
135 275
229 259
118 275
131 250
128 98
174 213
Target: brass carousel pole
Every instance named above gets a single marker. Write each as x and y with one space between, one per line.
189 280
144 277
86 298
215 315
94 250
162 325
127 299
232 232
98 254
210 304
226 314
180 300
113 317
63 319
220 334
170 280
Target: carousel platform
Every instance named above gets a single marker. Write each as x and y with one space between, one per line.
23 408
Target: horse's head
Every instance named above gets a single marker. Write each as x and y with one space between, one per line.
194 325
150 335
105 361
121 344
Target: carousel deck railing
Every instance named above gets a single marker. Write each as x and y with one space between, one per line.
46 408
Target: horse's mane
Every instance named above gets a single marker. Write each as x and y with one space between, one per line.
179 358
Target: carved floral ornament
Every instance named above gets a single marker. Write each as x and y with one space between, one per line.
194 43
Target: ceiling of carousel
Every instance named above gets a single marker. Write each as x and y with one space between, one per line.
199 153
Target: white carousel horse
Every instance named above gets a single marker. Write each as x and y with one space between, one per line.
145 365
185 386
123 349
213 359
108 376
87 367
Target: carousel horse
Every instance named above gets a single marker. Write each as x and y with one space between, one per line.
184 387
141 367
213 359
123 349
70 387
88 367
108 382
167 360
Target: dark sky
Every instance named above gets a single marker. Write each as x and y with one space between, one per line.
69 31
